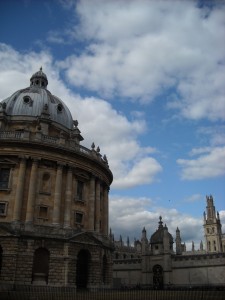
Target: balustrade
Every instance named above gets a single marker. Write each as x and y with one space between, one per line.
46 139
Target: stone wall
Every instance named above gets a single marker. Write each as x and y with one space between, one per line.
18 260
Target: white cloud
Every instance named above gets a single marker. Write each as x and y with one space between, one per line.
117 137
137 50
209 164
143 172
129 215
193 198
215 134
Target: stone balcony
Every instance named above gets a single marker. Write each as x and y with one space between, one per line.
57 142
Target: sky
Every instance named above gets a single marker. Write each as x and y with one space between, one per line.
146 81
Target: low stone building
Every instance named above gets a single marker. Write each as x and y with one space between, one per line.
53 195
154 264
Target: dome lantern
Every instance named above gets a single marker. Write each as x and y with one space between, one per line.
39 79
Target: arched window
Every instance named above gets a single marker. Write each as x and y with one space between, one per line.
209 246
104 269
157 277
40 266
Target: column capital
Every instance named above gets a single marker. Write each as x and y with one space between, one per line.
60 165
35 160
70 169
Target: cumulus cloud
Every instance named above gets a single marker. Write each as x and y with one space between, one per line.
129 215
117 137
209 163
136 50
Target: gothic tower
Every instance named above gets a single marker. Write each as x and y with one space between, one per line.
212 227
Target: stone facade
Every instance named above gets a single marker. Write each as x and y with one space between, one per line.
154 264
53 195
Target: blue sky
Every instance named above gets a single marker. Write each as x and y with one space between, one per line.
145 79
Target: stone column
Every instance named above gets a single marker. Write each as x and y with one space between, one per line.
68 198
57 196
97 207
31 192
19 191
66 263
92 203
105 210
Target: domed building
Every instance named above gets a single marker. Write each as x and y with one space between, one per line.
53 195
152 263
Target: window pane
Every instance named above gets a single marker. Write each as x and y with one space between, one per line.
80 186
43 212
4 177
2 208
79 218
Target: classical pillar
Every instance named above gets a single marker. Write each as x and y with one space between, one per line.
105 210
97 207
31 192
68 198
57 196
92 203
66 264
19 191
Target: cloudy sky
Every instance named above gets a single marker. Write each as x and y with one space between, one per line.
146 81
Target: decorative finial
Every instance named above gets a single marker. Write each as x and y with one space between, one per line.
160 222
41 69
93 146
98 149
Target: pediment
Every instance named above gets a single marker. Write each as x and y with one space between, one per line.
8 162
85 238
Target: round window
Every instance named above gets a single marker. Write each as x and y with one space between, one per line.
59 107
26 99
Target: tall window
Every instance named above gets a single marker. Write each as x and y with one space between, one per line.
4 178
46 184
214 244
80 189
209 246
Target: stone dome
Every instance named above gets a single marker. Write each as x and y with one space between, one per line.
36 99
157 236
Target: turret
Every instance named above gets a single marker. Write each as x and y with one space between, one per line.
178 242
212 227
144 241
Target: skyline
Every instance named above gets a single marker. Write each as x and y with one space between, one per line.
145 80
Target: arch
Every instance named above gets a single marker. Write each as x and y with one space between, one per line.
40 266
157 277
83 269
104 269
